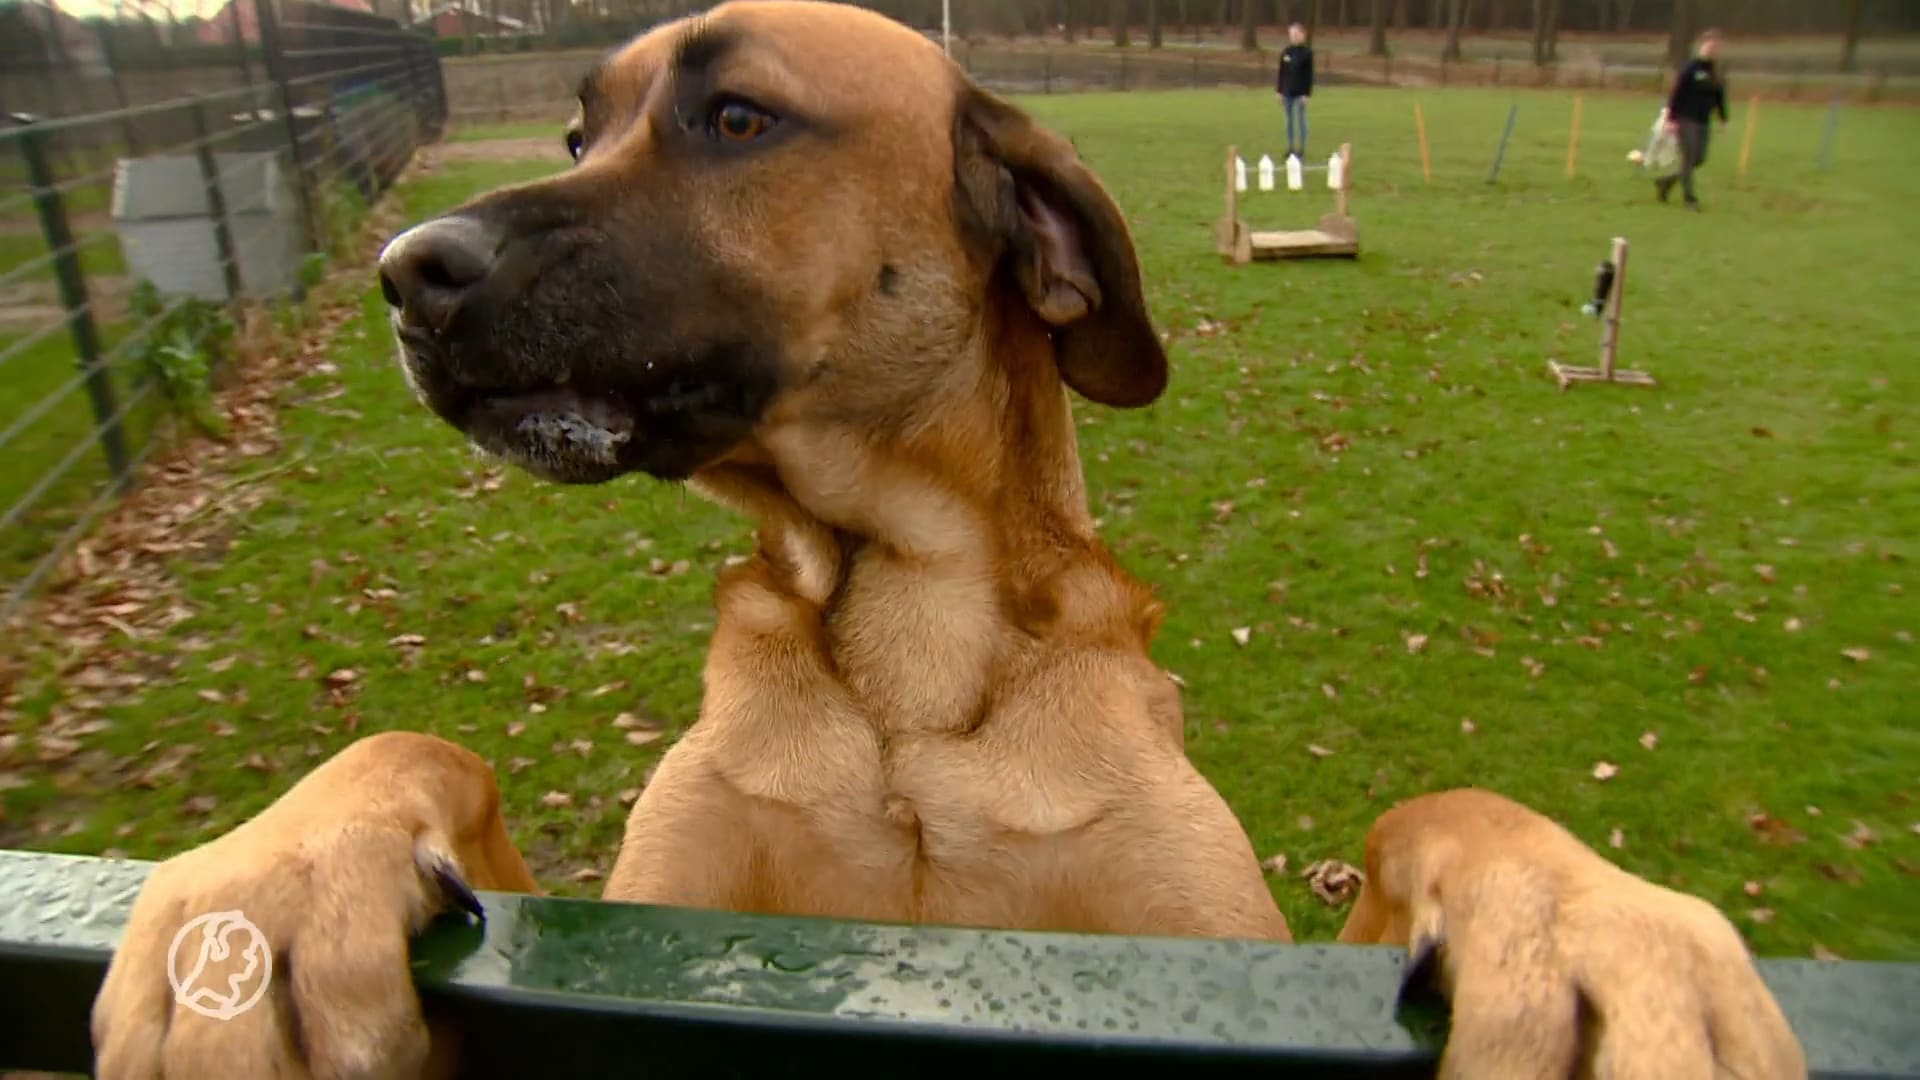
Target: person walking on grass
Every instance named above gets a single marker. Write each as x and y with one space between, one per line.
1698 95
1294 86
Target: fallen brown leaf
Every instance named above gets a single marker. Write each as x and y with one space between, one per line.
342 677
1772 830
1752 888
1617 839
1605 770
1274 864
554 800
1319 751
1649 740
1762 915
1242 635
1467 727
584 874
1333 881
1821 952
1416 642
1860 837
1857 654
629 796
641 737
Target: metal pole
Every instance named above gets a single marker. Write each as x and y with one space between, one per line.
1500 153
946 26
270 47
217 203
73 296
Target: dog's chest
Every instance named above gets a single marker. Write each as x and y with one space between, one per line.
918 648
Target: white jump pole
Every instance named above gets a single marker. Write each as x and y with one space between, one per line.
946 26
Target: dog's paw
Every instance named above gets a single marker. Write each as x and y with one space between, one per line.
280 949
1558 963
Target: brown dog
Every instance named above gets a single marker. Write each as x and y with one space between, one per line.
805 265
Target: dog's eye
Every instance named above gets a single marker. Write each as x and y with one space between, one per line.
737 121
575 143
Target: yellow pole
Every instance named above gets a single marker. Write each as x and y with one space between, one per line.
1573 139
1746 138
1420 121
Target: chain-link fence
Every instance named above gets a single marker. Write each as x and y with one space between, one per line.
520 86
134 238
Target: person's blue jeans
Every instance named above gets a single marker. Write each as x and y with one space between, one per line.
1296 109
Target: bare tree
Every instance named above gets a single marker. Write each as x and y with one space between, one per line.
1456 15
1250 25
1153 24
1680 34
1546 28
1118 10
1850 46
1377 26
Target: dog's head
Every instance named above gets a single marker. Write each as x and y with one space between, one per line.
779 212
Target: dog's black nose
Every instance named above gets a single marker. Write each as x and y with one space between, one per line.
425 271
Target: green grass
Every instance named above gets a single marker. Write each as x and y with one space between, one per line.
1351 454
99 254
68 427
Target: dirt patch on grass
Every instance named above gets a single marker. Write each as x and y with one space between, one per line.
523 149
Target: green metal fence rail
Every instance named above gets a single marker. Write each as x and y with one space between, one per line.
551 987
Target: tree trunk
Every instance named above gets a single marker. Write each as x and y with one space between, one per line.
1553 31
1850 47
1377 29
1313 17
1067 27
1153 24
1626 17
1118 9
1250 25
1399 14
1497 15
1680 33
1456 16
1539 33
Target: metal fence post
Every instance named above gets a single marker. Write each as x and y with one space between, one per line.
276 60
217 203
416 83
73 296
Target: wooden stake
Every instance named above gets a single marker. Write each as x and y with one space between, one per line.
1346 179
1420 122
1610 332
1573 138
1567 374
1746 137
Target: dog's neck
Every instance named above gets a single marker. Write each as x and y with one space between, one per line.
943 549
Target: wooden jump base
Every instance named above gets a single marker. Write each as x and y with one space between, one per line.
1337 236
1568 374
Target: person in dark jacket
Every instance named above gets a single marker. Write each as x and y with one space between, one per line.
1294 86
1698 95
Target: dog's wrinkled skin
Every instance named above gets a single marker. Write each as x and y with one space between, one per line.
803 264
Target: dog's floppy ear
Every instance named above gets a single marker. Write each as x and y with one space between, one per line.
1038 207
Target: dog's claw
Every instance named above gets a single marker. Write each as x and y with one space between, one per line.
455 888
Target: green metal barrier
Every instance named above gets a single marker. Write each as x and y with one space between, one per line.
548 987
